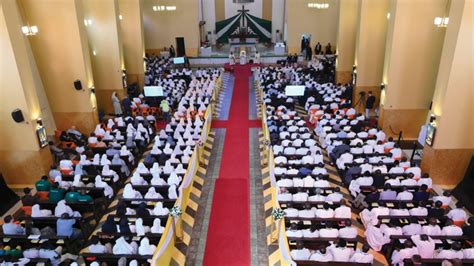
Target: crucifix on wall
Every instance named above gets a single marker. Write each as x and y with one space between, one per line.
242 12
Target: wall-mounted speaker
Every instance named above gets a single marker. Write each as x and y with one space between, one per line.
17 115
77 85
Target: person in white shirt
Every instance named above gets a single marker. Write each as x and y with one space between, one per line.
343 211
405 253
413 228
468 253
311 232
425 245
396 152
341 252
290 211
449 229
321 255
321 183
454 253
362 256
445 198
421 210
300 252
317 196
308 181
326 212
348 231
458 215
307 212
285 182
432 229
301 195
284 195
425 180
404 195
390 229
293 231
336 196
328 232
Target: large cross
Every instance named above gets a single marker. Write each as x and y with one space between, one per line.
243 11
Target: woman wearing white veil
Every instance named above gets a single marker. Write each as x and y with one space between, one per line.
174 179
130 193
108 191
141 169
139 228
157 180
123 166
106 171
145 247
62 208
159 210
122 247
104 160
138 180
36 211
157 228
172 194
96 160
152 194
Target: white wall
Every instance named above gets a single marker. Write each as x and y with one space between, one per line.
278 18
209 11
254 8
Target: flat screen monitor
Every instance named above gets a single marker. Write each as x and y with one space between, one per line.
178 60
153 91
294 90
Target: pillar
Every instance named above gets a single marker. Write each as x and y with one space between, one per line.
105 44
62 55
370 48
22 159
131 27
447 160
412 56
346 35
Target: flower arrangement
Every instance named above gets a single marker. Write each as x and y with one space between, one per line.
175 212
277 214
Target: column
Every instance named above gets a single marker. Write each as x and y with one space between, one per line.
412 55
346 36
453 146
370 48
62 55
133 40
105 44
22 159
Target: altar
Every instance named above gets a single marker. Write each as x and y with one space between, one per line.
245 40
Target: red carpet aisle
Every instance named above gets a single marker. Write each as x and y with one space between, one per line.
228 238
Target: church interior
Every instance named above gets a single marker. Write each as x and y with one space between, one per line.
236 132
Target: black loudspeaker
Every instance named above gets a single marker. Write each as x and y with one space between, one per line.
77 84
180 47
17 115
463 191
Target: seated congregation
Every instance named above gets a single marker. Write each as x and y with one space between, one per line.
402 216
109 197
